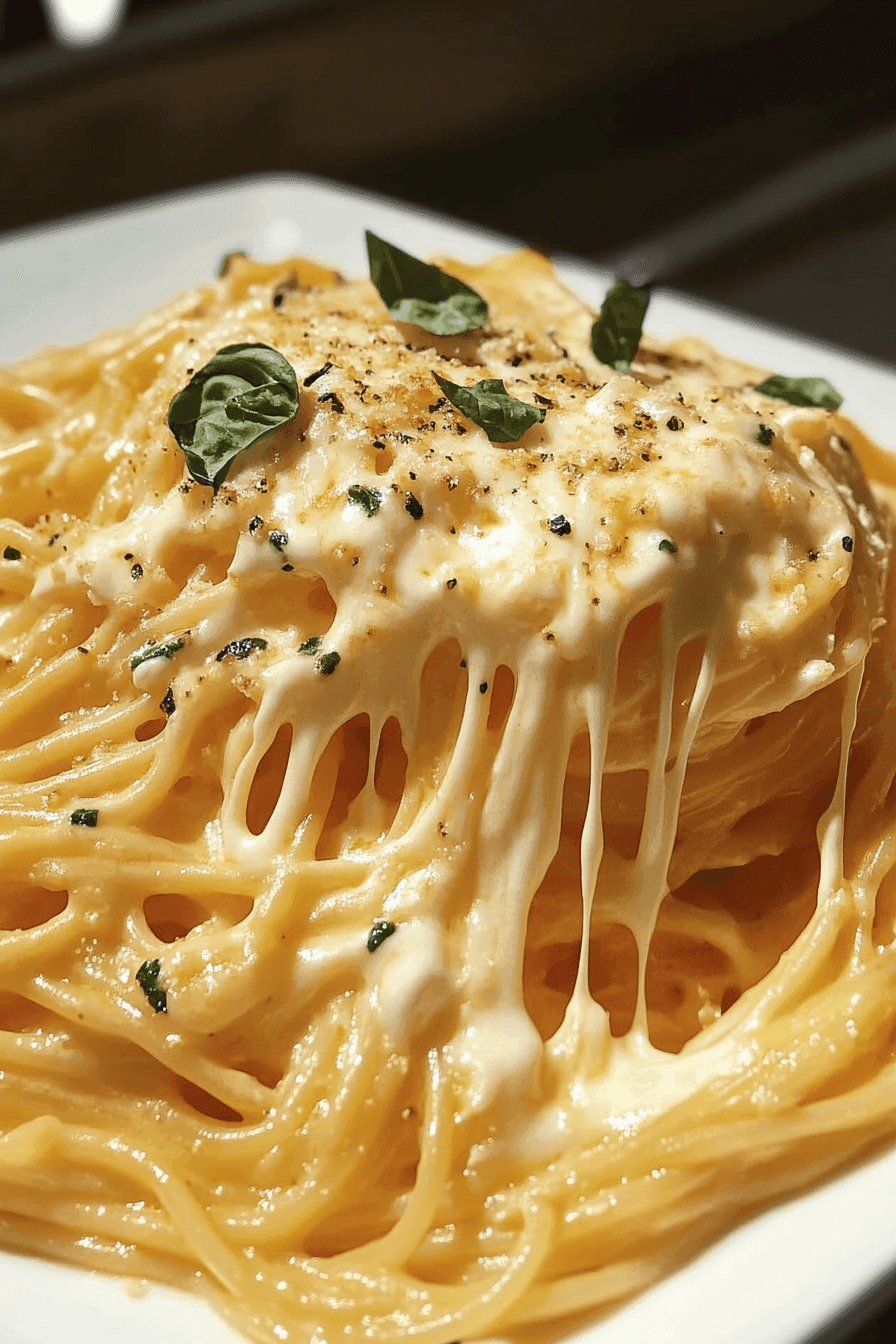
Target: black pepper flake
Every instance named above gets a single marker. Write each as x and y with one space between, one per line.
459 428
136 572
319 373
278 539
255 523
55 537
381 929
543 401
166 704
765 434
129 555
336 403
452 583
241 648
483 687
847 544
11 553
287 569
813 556
438 405
620 431
463 662
560 526
378 445
414 507
645 457
516 361
675 422
413 475
84 816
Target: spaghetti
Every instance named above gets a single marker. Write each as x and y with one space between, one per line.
445 882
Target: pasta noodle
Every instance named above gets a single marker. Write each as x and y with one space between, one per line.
445 882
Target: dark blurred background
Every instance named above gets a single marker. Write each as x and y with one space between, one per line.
740 150
745 148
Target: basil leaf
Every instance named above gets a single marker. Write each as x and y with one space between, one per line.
241 648
243 394
616 334
148 979
490 406
802 391
414 291
311 645
327 663
84 816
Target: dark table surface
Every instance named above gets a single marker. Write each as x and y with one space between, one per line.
754 146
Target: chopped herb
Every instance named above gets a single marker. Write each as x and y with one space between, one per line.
675 422
84 816
241 648
463 662
616 334
560 526
11 553
380 931
368 500
136 572
148 979
241 396
802 391
336 403
227 261
490 406
414 291
847 544
255 523
278 539
667 545
414 507
483 687
311 645
168 650
166 704
319 373
327 663
765 434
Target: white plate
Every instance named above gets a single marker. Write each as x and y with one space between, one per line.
802 1268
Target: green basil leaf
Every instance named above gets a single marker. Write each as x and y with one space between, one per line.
243 394
802 391
490 406
311 645
616 334
381 929
414 291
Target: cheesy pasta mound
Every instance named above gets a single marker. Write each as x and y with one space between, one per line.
445 882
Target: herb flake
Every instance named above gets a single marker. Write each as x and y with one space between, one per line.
167 650
381 929
560 525
415 291
765 434
12 553
616 334
414 507
148 979
367 499
667 545
802 391
241 396
241 648
84 816
311 645
490 406
327 663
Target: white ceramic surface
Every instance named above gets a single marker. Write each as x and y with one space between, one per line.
806 1267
